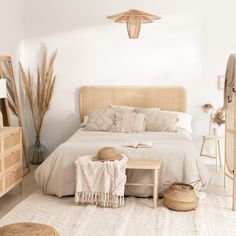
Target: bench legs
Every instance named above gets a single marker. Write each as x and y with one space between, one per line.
155 188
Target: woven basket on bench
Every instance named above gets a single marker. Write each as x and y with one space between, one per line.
181 197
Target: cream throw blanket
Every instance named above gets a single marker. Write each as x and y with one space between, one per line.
100 183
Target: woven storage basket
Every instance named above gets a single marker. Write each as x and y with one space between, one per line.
181 197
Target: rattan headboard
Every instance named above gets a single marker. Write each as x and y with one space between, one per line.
98 97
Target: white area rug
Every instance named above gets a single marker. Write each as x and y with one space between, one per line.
137 217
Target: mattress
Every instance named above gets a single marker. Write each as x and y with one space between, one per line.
180 161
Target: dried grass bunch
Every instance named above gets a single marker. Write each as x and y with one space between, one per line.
39 89
219 117
207 107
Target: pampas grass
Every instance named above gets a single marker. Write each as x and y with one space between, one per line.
39 89
219 117
207 107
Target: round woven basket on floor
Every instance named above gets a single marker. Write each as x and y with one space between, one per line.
28 229
181 197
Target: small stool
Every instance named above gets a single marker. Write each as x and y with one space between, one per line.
28 229
217 155
146 165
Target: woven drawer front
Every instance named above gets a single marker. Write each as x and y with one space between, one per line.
1 185
13 177
11 140
11 159
1 165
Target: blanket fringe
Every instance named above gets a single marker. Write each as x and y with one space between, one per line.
99 199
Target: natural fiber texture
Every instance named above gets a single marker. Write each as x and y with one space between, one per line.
146 111
165 98
133 19
161 122
122 109
129 123
230 117
28 229
180 197
100 120
100 183
39 90
213 216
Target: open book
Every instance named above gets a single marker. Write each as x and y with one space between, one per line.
138 144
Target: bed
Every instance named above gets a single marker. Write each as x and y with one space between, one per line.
180 161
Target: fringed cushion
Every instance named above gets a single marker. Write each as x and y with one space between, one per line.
129 123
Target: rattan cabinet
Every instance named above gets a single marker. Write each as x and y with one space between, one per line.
10 159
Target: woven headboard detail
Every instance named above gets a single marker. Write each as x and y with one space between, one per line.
98 97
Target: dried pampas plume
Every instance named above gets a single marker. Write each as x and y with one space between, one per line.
207 107
39 90
219 117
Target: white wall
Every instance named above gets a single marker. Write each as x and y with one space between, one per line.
188 47
11 27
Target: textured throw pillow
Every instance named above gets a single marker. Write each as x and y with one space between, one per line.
122 109
129 123
184 120
161 122
100 120
146 111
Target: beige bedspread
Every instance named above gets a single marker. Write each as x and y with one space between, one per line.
180 161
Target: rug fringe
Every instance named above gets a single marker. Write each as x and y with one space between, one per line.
99 199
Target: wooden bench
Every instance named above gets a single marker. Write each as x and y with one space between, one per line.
146 165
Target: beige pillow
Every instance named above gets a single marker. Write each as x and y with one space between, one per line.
129 123
84 122
161 122
122 109
100 120
146 111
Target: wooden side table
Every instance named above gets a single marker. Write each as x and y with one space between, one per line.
216 139
146 165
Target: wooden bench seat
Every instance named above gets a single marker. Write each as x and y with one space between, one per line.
146 165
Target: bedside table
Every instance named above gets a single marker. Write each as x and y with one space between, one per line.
216 139
11 172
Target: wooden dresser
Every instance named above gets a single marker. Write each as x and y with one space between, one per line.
10 159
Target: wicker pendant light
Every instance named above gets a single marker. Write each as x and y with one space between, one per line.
133 19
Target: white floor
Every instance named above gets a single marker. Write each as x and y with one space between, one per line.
11 199
212 217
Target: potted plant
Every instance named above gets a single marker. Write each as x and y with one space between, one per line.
216 119
38 90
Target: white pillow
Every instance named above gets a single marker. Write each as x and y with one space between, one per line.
184 120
